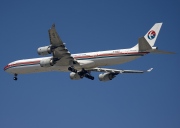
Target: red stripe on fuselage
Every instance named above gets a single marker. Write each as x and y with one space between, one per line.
77 57
111 54
20 63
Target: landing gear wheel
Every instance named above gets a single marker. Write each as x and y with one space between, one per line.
81 77
72 69
15 78
92 78
89 77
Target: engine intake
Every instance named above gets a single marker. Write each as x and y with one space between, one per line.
106 76
44 50
74 76
48 62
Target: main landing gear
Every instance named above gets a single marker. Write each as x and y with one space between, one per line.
72 69
82 73
15 77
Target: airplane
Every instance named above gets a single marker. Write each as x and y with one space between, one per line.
82 64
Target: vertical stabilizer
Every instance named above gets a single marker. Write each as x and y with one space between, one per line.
146 43
152 34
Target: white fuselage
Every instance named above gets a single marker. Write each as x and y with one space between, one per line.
86 60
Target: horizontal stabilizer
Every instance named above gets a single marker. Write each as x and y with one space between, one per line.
144 46
156 51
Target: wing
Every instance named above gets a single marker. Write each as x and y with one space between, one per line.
115 71
60 53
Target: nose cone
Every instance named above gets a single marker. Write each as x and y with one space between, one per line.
6 67
10 67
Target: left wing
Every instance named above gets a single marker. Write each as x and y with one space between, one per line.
115 71
60 53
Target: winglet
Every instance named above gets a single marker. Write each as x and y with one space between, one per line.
150 70
53 25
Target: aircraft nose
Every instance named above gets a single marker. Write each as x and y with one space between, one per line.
6 67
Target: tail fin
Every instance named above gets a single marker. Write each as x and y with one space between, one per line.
152 34
147 42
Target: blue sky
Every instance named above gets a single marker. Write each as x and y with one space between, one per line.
53 100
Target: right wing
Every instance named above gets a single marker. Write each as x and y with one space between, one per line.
115 71
110 74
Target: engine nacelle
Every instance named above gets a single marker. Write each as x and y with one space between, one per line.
74 76
106 76
44 50
47 62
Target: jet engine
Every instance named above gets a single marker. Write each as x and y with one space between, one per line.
74 76
106 76
44 50
47 62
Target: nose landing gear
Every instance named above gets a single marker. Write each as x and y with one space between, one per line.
15 77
